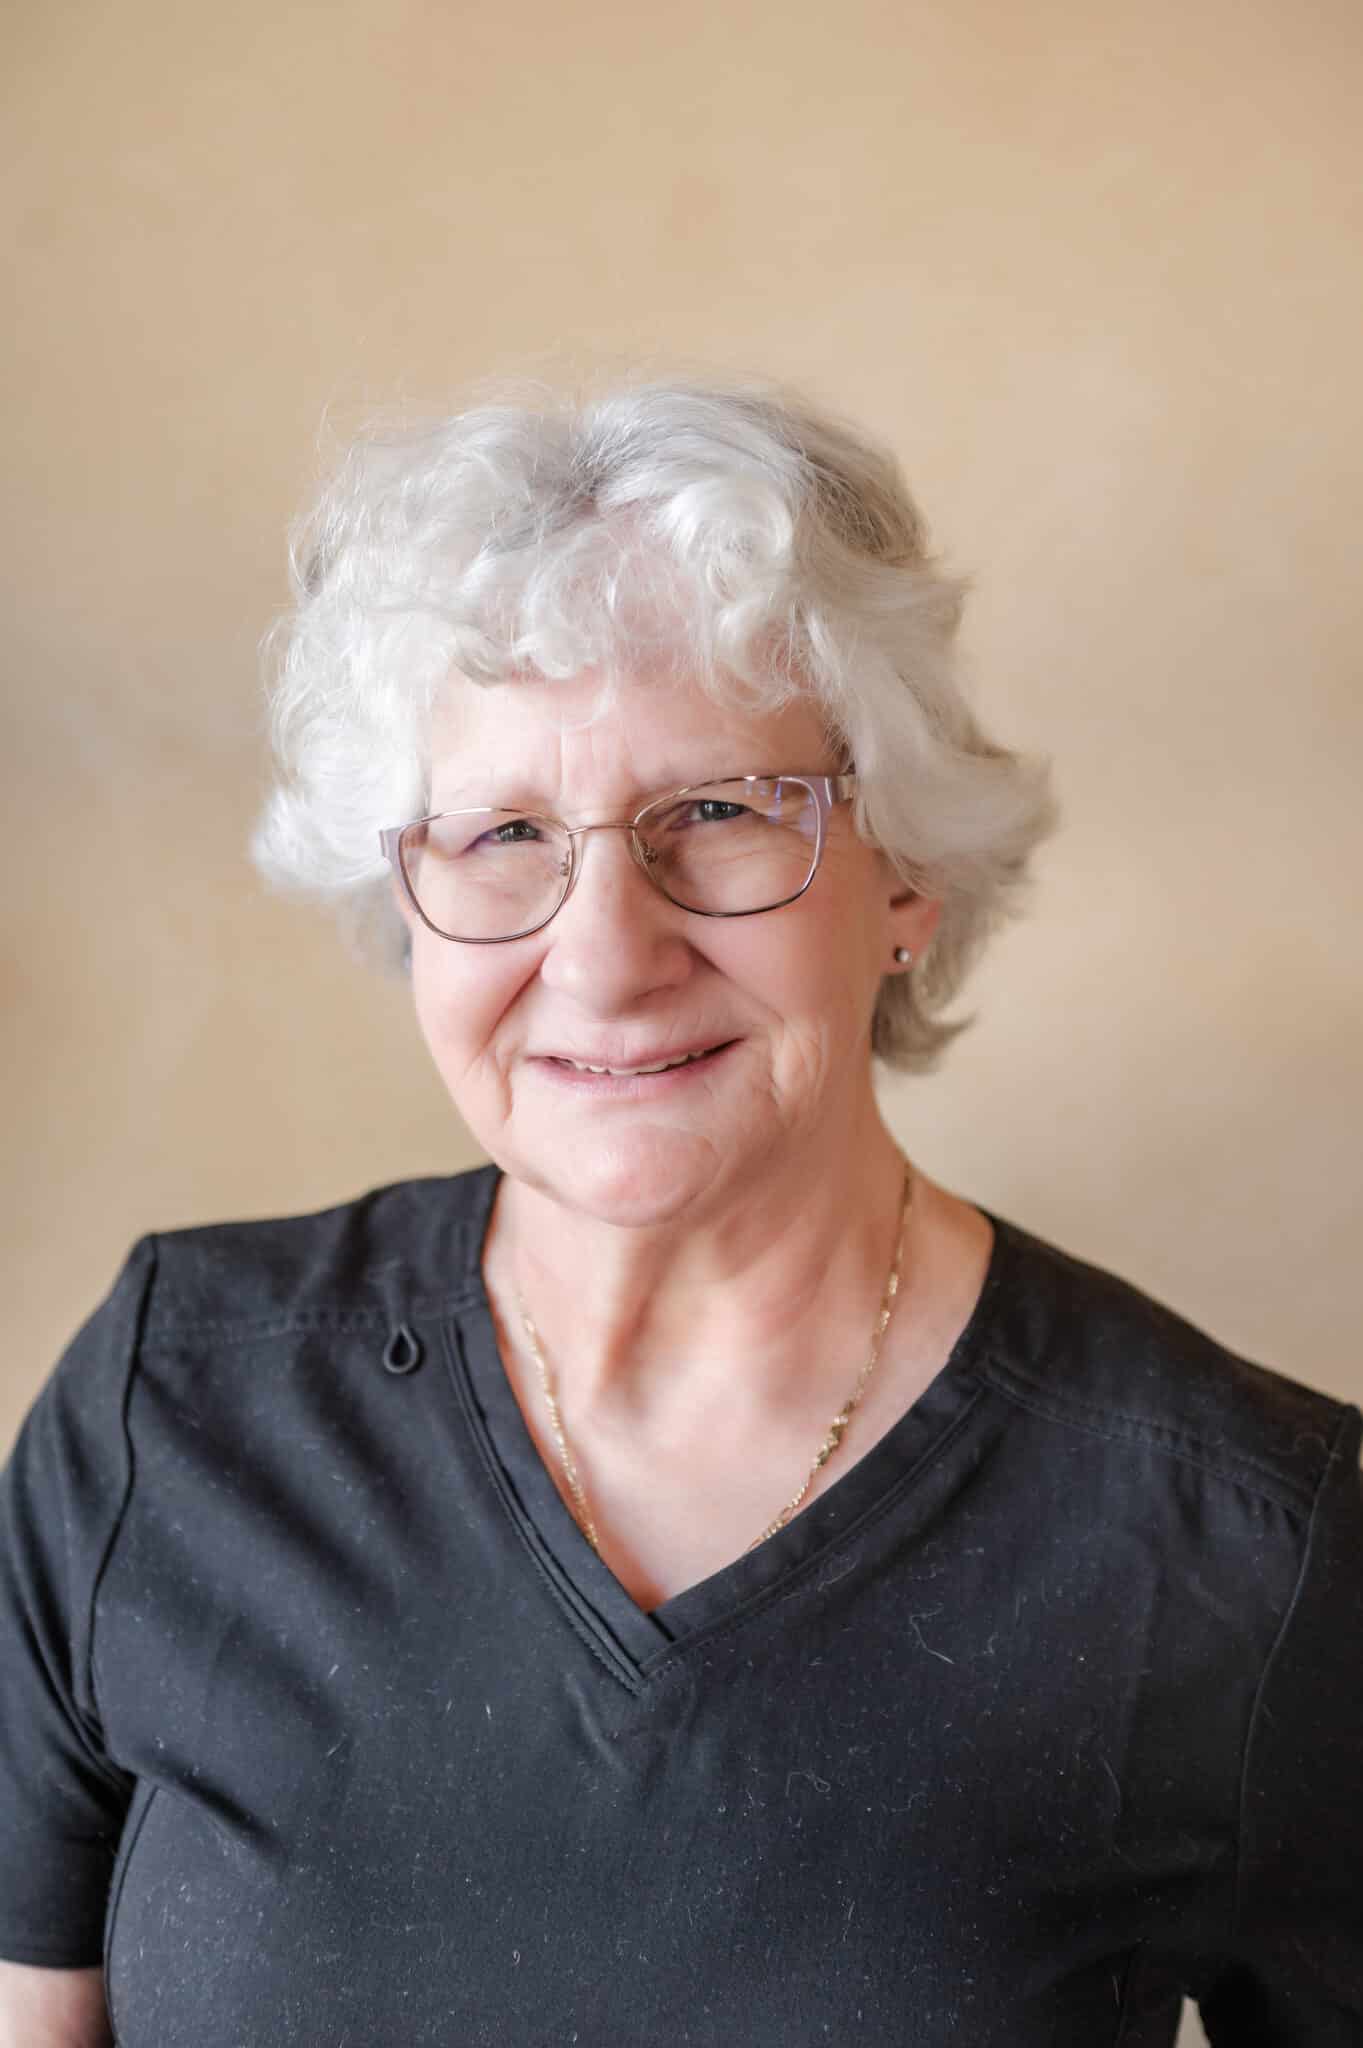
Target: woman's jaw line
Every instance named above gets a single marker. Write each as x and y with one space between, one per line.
772 1226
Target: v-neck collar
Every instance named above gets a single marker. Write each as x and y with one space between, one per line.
852 1503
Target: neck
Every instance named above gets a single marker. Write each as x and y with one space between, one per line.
728 1308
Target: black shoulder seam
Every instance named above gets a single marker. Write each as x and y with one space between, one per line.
1096 1419
1275 1648
248 1330
147 1247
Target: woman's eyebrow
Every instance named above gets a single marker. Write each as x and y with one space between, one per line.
494 794
515 796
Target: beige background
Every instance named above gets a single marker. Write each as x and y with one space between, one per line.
1093 268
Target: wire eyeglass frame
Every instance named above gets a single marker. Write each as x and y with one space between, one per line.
826 791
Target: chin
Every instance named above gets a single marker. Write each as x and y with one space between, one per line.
636 1181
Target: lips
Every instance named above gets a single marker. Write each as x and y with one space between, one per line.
619 1070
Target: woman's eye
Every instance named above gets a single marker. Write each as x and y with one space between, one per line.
713 810
512 832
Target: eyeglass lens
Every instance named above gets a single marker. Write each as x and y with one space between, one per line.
728 849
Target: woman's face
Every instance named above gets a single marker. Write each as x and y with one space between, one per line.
780 1004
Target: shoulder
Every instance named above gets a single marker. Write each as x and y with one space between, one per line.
416 1242
1094 1353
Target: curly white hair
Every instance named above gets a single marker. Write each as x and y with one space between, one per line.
738 535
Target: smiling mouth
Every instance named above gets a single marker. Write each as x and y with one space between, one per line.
686 1059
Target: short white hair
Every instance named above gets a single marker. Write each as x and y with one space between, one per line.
737 535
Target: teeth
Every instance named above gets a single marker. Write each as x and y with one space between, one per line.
626 1073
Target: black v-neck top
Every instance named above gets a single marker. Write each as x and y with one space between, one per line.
323 1724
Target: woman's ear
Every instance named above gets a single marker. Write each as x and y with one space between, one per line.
913 921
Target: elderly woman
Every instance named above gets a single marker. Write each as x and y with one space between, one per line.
694 1580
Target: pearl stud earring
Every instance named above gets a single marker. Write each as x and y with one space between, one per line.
903 956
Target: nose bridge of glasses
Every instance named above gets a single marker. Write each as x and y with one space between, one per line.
643 853
600 825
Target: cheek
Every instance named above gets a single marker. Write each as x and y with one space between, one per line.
461 996
818 974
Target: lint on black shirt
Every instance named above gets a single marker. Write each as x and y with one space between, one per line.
322 1724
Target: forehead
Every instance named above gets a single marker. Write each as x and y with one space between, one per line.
583 742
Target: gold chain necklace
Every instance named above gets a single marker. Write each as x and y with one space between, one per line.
837 1428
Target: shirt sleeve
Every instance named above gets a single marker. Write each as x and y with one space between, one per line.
62 1799
1294 1978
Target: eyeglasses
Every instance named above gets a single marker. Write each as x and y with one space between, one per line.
733 848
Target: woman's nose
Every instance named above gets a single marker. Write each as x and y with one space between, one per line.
617 938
